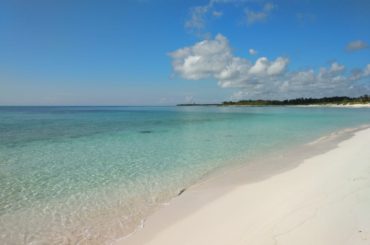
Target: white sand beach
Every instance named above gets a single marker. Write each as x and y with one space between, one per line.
323 200
338 106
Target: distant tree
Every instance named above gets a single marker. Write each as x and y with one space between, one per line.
304 101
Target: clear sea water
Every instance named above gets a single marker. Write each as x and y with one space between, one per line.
89 175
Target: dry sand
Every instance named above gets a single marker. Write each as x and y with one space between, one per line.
339 105
324 200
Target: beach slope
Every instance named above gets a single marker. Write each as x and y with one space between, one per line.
324 200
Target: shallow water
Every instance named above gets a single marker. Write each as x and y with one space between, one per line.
91 174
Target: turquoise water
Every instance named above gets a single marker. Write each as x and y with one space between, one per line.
91 174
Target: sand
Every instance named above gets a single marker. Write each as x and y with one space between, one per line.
339 105
323 200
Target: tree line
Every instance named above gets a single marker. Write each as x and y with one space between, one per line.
337 100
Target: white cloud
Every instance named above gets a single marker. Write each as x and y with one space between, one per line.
356 45
260 67
336 68
197 20
217 13
278 66
259 16
213 59
252 51
199 15
204 59
367 70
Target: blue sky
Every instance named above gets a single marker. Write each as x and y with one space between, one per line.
166 51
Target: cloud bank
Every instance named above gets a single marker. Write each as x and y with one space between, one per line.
265 78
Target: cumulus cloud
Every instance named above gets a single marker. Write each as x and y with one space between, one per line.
259 16
356 45
202 60
252 51
214 59
278 66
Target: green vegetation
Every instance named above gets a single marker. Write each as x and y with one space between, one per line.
195 104
343 100
337 100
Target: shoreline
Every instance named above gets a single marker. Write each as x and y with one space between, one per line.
337 105
166 224
349 105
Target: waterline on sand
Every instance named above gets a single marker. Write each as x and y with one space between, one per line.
307 204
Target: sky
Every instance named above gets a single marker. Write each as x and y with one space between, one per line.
164 52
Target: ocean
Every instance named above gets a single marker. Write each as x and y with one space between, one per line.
90 175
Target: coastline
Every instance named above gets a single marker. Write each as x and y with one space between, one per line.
338 106
257 204
358 105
